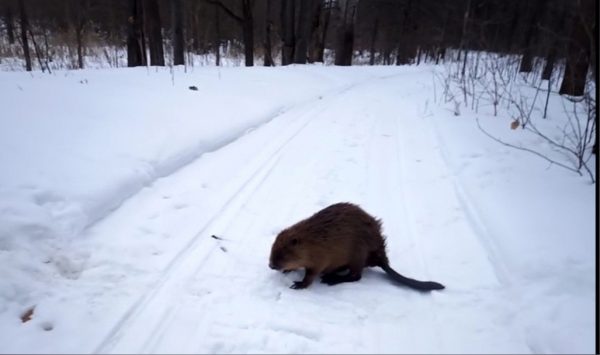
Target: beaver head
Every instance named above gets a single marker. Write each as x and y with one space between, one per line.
288 252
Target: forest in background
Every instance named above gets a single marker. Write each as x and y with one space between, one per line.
281 32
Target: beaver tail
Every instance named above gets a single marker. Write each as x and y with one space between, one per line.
416 284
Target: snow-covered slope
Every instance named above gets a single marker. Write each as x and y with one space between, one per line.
115 181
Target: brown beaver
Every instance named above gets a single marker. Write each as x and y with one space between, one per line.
339 237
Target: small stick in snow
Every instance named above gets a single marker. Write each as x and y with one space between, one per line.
26 316
219 238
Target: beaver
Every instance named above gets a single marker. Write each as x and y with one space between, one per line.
340 237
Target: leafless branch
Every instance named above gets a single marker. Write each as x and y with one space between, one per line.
525 149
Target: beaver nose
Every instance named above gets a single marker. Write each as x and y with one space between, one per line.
272 266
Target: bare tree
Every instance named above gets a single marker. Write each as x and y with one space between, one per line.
406 42
287 31
24 30
314 33
178 35
374 37
9 20
136 44
535 9
246 21
268 61
578 57
81 21
558 20
303 32
154 32
248 31
217 41
465 36
326 20
345 45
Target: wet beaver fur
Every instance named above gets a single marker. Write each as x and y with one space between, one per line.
338 238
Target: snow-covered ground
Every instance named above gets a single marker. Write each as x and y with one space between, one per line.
115 180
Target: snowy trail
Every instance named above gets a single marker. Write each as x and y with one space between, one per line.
257 170
218 296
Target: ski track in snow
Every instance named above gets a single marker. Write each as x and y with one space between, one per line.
254 180
181 265
216 301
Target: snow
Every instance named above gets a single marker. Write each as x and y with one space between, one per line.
115 180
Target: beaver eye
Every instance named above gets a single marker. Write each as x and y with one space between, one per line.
294 241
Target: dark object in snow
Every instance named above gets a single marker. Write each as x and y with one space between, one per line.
193 88
341 237
215 237
223 249
26 316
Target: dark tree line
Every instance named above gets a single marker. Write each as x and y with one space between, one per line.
301 31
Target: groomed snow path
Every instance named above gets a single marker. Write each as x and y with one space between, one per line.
154 279
219 295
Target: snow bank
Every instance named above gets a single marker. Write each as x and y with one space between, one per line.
75 144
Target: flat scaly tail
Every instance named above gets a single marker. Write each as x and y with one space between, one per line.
416 284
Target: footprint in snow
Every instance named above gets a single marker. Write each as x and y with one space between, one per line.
47 326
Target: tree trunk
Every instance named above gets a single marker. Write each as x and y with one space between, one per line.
79 37
81 7
344 50
578 61
302 33
136 48
47 54
440 52
527 59
594 50
326 20
10 27
248 32
178 35
549 65
464 40
314 42
153 29
24 29
387 56
406 46
217 42
552 51
373 39
37 53
287 29
268 62
515 13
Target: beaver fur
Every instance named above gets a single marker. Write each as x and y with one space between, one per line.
341 237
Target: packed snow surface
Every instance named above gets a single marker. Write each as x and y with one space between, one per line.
114 182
